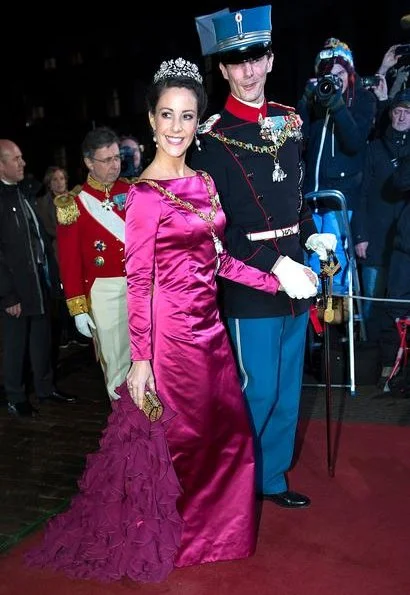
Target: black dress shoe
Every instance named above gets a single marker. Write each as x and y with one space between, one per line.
288 499
59 397
23 409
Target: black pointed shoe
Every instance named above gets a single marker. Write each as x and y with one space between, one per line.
59 397
288 499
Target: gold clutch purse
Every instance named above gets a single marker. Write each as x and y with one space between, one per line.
152 406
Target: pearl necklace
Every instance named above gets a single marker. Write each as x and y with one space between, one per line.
207 217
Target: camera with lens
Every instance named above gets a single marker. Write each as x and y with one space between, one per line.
370 81
128 169
403 54
402 50
327 85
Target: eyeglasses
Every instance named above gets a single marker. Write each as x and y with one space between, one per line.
108 160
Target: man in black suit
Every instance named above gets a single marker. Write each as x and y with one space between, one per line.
28 277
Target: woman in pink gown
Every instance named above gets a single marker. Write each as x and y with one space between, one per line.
179 491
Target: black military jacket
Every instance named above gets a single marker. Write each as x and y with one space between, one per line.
253 202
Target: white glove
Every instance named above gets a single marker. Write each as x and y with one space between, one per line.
294 278
84 324
321 243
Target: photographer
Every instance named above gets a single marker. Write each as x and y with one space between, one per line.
374 223
131 157
338 115
398 281
395 67
391 77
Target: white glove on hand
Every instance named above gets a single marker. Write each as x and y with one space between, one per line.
321 243
294 278
84 324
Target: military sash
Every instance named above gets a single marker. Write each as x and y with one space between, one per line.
108 218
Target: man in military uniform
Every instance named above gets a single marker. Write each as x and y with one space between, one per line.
90 240
253 151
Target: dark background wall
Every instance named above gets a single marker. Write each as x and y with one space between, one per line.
89 67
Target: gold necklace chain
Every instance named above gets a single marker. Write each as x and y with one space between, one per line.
271 150
207 217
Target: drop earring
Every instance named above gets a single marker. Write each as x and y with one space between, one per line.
154 138
198 143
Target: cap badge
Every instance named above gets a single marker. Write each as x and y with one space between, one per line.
238 19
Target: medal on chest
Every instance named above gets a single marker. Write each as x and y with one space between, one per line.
276 130
107 204
116 201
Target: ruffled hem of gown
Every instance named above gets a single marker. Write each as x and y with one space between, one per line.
124 520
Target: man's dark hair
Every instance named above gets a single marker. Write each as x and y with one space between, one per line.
97 139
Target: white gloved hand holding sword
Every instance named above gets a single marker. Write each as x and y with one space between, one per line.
322 244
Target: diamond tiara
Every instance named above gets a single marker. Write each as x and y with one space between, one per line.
178 68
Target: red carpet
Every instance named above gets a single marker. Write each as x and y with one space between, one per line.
353 540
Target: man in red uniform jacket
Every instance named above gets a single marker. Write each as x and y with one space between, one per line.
90 239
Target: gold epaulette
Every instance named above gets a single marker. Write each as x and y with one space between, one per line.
77 305
67 209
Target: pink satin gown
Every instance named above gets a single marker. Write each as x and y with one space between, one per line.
181 490
179 327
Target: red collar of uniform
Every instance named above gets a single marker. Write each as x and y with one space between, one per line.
245 112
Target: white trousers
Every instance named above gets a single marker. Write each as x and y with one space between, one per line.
111 338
